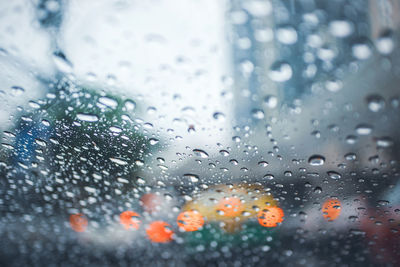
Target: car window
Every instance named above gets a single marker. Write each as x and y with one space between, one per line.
199 133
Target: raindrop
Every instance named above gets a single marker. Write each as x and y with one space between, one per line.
224 153
316 160
286 35
194 178
288 173
395 102
115 129
40 142
87 117
129 105
139 162
34 105
375 103
363 129
351 139
234 162
219 116
361 50
109 102
8 146
17 90
118 161
257 114
263 163
340 28
271 101
162 167
385 44
153 141
350 156
258 8
383 202
269 177
318 190
140 180
384 142
333 85
236 139
316 134
45 122
62 63
374 159
334 175
280 71
200 153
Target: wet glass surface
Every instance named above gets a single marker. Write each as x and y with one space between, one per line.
199 133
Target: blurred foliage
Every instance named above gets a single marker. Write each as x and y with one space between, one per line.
85 158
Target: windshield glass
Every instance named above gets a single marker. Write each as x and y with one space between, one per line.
199 132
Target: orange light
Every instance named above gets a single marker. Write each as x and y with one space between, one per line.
190 220
159 232
78 222
331 209
231 206
270 217
129 219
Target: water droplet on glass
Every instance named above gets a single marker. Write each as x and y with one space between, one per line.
219 116
34 105
384 142
234 162
263 163
115 129
280 71
395 102
258 8
269 177
363 129
333 85
194 178
236 139
129 105
40 142
109 102
17 90
45 122
288 173
316 134
224 153
62 63
318 190
334 175
350 156
351 139
271 101
139 162
385 43
118 161
87 117
153 141
316 160
286 35
361 50
375 103
140 181
257 114
340 28
200 153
